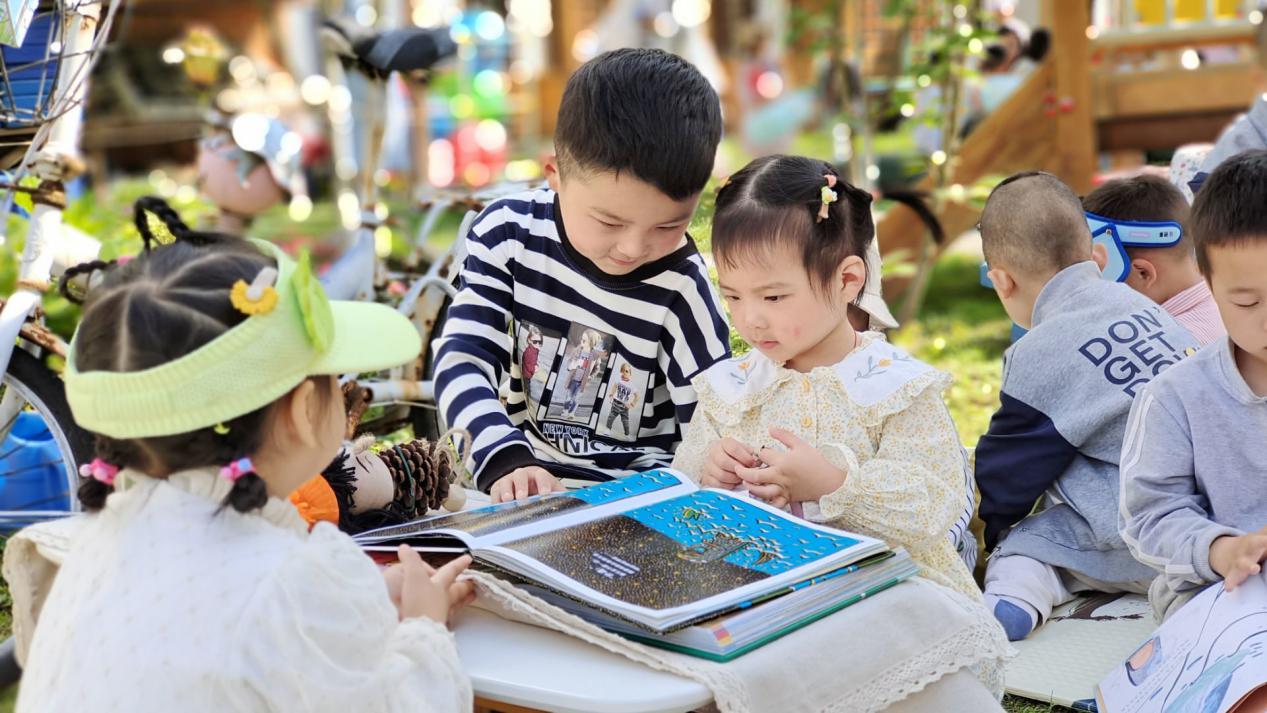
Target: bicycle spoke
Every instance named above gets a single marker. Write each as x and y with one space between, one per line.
25 468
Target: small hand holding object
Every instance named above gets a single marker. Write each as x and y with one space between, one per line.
1238 557
524 482
798 474
725 458
419 590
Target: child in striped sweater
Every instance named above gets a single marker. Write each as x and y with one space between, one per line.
587 281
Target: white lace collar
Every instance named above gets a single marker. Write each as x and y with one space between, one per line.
871 373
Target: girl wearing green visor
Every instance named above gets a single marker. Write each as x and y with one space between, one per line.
206 368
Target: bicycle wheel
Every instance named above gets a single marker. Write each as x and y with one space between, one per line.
42 447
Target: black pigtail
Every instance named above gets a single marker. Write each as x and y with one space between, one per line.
93 493
249 493
153 205
77 280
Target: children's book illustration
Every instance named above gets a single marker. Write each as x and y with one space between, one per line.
674 552
1207 658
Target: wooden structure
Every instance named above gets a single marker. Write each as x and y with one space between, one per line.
1147 97
1111 85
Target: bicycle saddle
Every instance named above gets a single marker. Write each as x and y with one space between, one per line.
403 50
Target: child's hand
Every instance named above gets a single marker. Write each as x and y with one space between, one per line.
523 482
1238 557
424 591
725 458
799 474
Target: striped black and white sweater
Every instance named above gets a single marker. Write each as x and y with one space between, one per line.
539 338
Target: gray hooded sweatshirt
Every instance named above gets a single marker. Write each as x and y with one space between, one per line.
1067 390
1194 465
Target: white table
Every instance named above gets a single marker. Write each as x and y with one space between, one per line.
536 668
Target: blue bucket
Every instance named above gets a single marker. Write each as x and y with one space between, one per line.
32 472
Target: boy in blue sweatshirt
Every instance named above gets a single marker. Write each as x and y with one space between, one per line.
1067 390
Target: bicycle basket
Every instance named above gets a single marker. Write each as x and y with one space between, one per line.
28 79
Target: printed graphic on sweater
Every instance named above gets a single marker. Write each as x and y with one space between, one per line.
621 412
1134 350
578 387
537 348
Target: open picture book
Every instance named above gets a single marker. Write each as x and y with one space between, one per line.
652 554
1207 657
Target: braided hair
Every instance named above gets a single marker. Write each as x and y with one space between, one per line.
159 225
777 201
166 303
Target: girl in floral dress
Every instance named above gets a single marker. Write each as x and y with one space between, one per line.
838 425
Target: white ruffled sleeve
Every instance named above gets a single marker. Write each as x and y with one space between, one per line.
322 635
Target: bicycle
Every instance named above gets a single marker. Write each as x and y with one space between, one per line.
34 404
404 395
43 86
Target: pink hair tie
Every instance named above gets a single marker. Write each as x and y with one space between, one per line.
99 470
237 469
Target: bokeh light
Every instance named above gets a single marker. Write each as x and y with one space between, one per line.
690 13
440 163
250 131
490 135
769 85
315 90
300 208
489 83
490 26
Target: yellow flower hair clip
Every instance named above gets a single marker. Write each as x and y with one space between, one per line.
257 298
827 196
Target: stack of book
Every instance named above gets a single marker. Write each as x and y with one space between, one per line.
654 558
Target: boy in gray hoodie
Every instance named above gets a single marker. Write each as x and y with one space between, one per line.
1193 502
1067 389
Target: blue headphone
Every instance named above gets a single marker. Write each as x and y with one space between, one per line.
1118 235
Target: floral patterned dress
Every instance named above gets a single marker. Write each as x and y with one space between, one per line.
878 414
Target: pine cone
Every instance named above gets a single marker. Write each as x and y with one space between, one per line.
422 472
